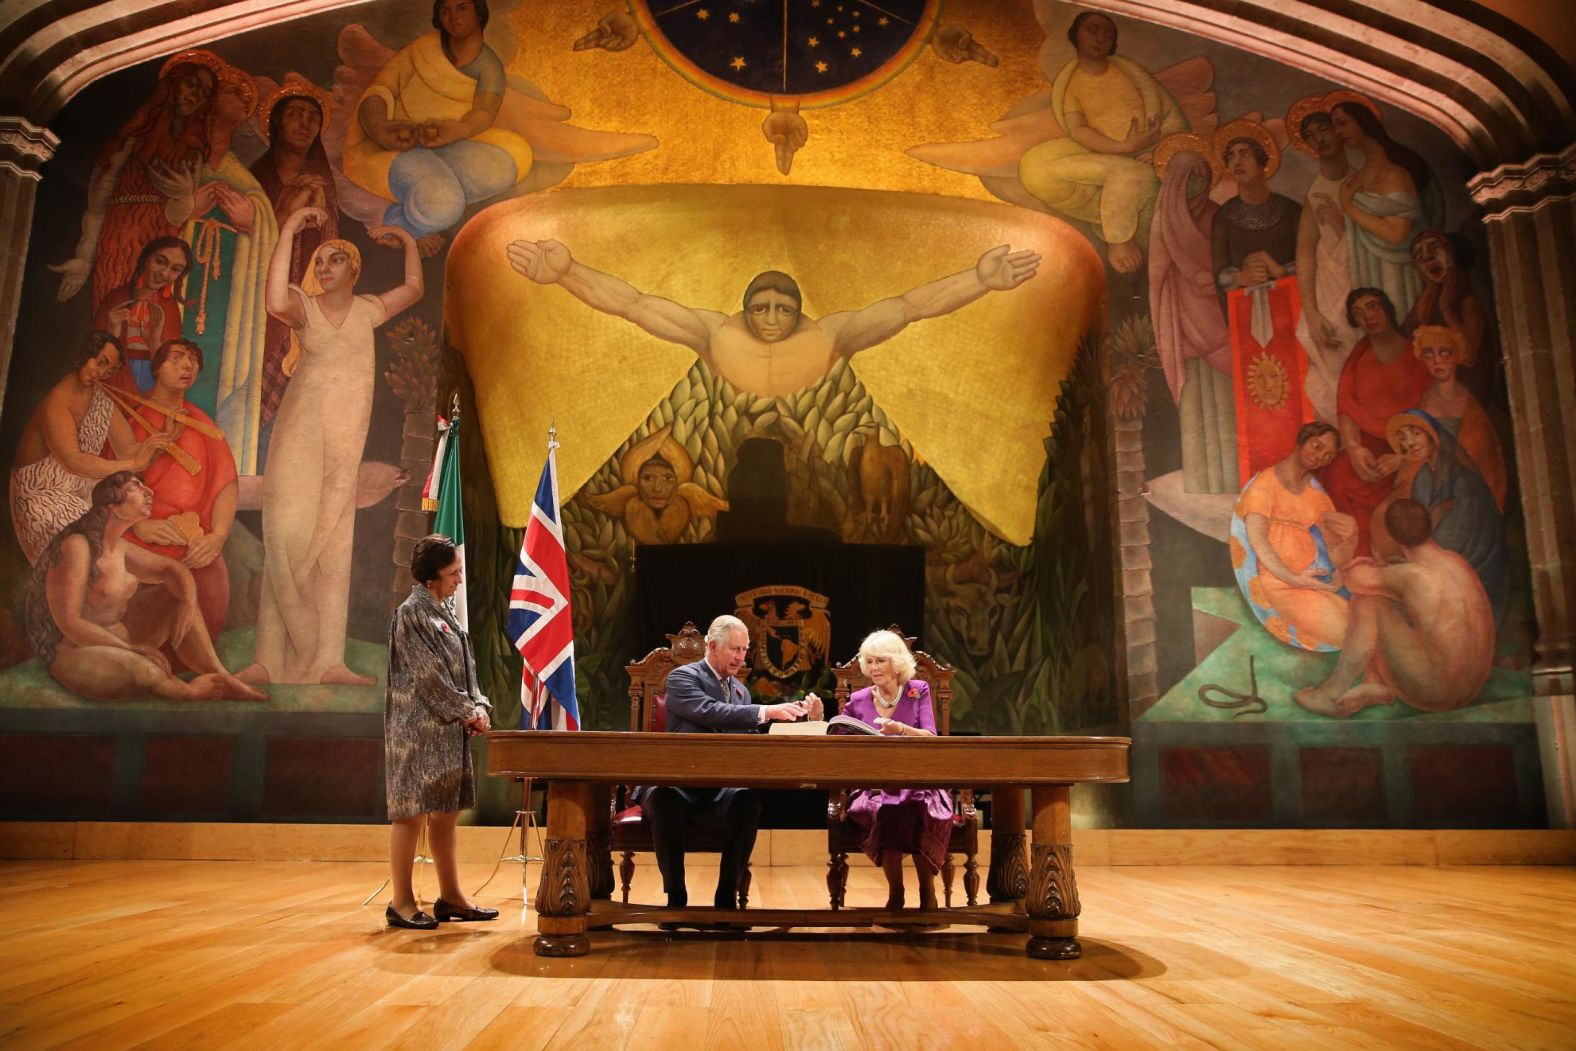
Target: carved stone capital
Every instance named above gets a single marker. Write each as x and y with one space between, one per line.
1540 179
24 146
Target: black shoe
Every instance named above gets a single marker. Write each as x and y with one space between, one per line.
444 911
419 921
729 901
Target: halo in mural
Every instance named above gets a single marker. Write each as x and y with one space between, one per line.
1182 142
1247 129
1309 104
294 86
817 52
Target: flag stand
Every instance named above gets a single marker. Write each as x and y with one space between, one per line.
524 819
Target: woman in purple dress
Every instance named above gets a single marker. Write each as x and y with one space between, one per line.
892 823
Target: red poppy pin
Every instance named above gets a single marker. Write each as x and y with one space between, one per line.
913 691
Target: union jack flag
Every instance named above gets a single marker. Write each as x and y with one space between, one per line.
539 618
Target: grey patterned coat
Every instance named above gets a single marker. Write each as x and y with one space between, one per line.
432 690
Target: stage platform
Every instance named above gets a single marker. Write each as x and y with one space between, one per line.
192 841
281 954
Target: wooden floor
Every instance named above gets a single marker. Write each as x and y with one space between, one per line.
281 955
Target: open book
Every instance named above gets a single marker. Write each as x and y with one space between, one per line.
837 724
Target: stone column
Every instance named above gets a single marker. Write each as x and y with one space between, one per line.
23 148
1530 213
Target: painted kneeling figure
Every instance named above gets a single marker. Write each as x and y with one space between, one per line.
99 631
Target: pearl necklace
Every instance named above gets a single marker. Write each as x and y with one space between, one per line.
881 702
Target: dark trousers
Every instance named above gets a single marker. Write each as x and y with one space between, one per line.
733 813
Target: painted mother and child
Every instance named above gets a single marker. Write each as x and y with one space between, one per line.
1383 537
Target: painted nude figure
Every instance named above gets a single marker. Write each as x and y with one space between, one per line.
1420 630
99 631
769 347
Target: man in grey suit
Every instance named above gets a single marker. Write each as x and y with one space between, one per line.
705 697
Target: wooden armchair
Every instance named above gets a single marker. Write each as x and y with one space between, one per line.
842 835
630 827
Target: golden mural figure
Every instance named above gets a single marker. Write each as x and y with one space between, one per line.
657 500
770 347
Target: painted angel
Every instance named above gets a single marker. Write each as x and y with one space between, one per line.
1082 148
657 501
422 134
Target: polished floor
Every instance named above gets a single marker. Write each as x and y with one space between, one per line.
279 955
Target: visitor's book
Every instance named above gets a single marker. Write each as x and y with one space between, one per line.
837 724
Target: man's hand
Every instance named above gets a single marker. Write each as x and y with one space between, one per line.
615 32
544 262
1002 269
813 707
785 712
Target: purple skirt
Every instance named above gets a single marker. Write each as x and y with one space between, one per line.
911 820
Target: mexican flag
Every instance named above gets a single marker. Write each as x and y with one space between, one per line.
445 486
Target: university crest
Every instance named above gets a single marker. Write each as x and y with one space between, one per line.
790 634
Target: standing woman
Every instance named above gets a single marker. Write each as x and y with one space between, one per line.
433 705
894 822
309 488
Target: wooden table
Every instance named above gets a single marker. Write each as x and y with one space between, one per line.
1038 895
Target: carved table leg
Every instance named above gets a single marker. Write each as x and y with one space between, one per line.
1052 902
599 838
564 898
1008 879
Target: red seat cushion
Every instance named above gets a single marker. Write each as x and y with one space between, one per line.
629 816
659 712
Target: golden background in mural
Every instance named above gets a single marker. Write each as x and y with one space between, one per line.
708 139
973 390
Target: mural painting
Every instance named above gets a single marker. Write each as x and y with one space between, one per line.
928 274
1299 323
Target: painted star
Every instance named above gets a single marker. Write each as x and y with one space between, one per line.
734 17
820 67
814 41
841 34
703 14
856 29
737 63
856 52
884 21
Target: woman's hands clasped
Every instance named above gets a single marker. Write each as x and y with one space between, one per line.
478 723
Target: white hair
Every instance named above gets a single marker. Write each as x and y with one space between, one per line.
887 644
722 629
